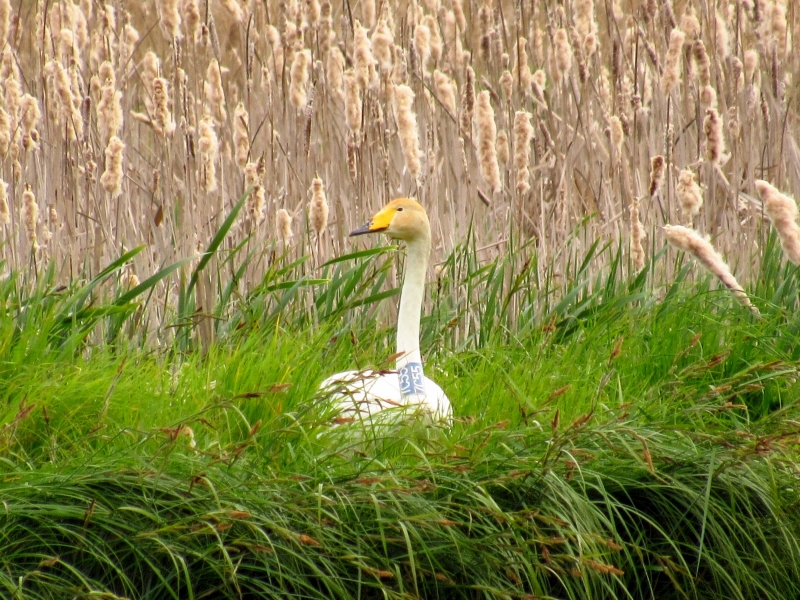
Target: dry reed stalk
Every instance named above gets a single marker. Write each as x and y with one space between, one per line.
638 235
522 71
690 241
523 134
241 135
5 20
467 102
407 131
782 213
690 196
617 134
486 138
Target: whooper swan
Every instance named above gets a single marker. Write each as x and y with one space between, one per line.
363 394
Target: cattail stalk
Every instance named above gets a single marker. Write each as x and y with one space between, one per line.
241 137
523 134
487 137
657 170
318 207
689 195
406 121
209 149
111 179
637 237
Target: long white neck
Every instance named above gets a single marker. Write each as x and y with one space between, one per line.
417 253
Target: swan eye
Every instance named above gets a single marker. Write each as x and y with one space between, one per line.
400 209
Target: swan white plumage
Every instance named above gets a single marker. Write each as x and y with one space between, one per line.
364 394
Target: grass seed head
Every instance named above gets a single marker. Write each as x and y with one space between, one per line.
782 213
693 243
191 16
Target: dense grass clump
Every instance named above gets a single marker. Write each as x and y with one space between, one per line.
623 440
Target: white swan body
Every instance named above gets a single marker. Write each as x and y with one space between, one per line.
364 394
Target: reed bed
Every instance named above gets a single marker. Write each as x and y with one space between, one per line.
527 126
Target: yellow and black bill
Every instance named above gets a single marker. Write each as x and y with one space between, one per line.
379 222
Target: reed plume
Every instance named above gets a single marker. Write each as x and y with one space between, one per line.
693 243
407 131
523 134
690 196
486 138
782 213
111 179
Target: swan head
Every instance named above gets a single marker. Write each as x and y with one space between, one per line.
401 219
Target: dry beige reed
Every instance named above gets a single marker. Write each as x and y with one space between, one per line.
487 138
407 131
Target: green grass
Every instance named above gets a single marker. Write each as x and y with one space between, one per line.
614 437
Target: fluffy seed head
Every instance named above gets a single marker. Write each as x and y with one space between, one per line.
523 134
637 237
241 137
689 194
111 179
672 63
782 213
318 207
690 241
657 170
283 224
5 214
406 121
298 88
715 141
487 135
